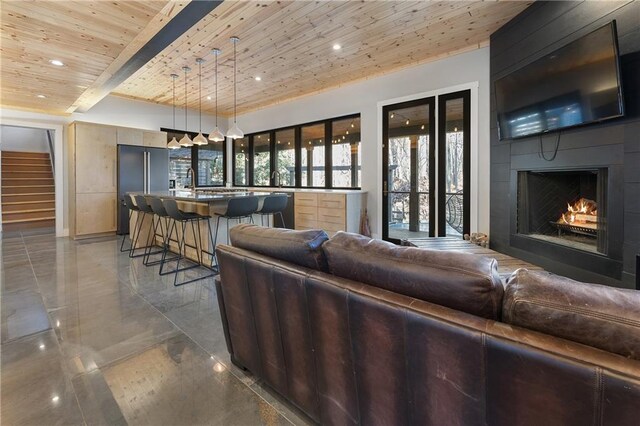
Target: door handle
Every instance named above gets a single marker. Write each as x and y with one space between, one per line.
385 188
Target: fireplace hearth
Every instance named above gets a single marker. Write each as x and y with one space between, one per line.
564 207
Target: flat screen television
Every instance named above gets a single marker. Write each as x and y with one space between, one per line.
575 85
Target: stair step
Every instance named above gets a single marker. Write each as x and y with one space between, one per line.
25 154
26 189
5 212
33 196
39 165
26 160
19 226
38 172
10 181
12 206
36 219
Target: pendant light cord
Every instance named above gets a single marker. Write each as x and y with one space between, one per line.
200 94
185 99
174 101
216 84
235 82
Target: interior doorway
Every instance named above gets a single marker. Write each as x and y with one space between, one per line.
426 167
31 191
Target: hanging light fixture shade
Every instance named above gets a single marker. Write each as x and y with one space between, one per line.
173 144
200 139
235 132
186 140
216 135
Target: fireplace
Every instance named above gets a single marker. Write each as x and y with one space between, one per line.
567 208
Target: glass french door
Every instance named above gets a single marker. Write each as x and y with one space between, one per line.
426 172
408 175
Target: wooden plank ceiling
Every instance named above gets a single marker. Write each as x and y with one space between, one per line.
286 43
91 38
289 45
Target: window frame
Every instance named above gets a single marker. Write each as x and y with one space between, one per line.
328 136
194 155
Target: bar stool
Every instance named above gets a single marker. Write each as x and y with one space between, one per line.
146 209
273 205
237 208
134 233
158 208
184 218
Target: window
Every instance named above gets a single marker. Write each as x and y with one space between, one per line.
345 153
322 154
241 161
179 163
285 156
262 159
208 161
313 155
211 164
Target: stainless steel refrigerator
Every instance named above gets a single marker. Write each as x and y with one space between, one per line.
140 169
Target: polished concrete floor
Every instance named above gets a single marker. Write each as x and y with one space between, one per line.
92 337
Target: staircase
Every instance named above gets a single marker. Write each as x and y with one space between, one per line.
28 191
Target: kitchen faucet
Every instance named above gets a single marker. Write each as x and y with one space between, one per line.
276 173
193 179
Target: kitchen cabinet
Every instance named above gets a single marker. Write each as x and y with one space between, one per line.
154 139
331 212
93 170
129 136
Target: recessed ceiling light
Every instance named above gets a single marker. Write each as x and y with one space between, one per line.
208 98
337 47
56 62
55 398
258 78
42 346
41 96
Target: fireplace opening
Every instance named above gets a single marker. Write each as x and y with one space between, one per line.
564 207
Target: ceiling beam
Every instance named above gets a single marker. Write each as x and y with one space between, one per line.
176 18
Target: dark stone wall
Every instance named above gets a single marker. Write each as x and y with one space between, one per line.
539 30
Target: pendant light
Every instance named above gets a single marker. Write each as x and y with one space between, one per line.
200 139
174 142
235 132
186 140
216 135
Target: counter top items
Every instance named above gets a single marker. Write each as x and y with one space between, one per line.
202 196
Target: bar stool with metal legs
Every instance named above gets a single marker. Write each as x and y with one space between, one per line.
184 218
237 208
146 209
163 218
133 233
273 205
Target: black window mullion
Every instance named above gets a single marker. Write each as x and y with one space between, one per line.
298 156
272 157
250 152
328 150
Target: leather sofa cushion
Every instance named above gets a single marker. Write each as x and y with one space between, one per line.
303 248
600 316
463 281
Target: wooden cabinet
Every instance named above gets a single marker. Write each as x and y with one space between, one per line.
95 213
95 158
93 169
129 136
329 211
154 139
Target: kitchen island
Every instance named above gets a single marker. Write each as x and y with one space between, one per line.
329 209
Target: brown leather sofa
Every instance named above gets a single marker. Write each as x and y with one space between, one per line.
358 331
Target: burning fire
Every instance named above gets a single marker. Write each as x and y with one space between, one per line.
582 213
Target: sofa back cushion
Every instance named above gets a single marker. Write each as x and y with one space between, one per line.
596 315
303 248
463 281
